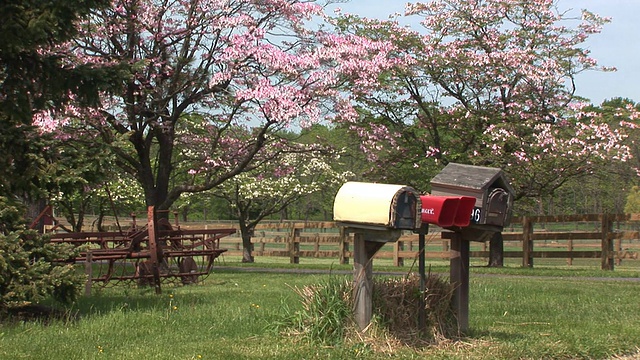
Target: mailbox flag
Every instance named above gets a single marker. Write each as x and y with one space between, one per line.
447 211
438 210
465 208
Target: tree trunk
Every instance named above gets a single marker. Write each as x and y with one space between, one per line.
185 213
34 209
246 232
100 220
247 248
496 250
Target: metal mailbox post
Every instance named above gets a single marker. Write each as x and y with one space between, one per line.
375 214
491 213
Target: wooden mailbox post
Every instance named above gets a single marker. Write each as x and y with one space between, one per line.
491 213
376 214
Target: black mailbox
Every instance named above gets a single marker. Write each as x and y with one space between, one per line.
489 186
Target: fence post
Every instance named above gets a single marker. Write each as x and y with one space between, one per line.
294 246
527 242
344 247
397 247
570 249
445 245
618 250
316 246
607 242
484 249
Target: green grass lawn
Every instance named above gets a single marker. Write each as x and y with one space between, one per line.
229 316
513 266
555 318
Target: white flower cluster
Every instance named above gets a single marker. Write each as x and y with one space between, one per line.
295 175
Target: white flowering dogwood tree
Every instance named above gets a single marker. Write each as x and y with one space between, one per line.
264 191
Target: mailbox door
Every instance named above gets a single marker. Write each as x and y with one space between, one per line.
497 207
464 211
439 210
406 204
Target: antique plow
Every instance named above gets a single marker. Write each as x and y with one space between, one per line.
147 255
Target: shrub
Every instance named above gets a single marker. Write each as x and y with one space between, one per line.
30 266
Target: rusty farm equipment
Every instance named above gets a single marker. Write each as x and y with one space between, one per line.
147 255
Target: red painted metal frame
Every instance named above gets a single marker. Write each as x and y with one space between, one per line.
157 246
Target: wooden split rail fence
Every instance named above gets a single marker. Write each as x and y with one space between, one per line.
567 237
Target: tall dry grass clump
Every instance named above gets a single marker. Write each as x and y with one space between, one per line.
326 315
396 305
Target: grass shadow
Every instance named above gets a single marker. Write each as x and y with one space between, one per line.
131 298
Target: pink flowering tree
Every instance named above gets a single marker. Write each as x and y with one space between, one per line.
487 83
212 84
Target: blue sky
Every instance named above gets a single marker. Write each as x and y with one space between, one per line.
618 45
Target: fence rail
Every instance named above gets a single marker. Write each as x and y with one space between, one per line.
567 237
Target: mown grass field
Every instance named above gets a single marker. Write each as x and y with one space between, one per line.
516 313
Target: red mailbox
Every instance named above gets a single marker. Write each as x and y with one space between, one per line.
447 211
465 209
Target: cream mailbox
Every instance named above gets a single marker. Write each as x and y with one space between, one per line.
377 206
